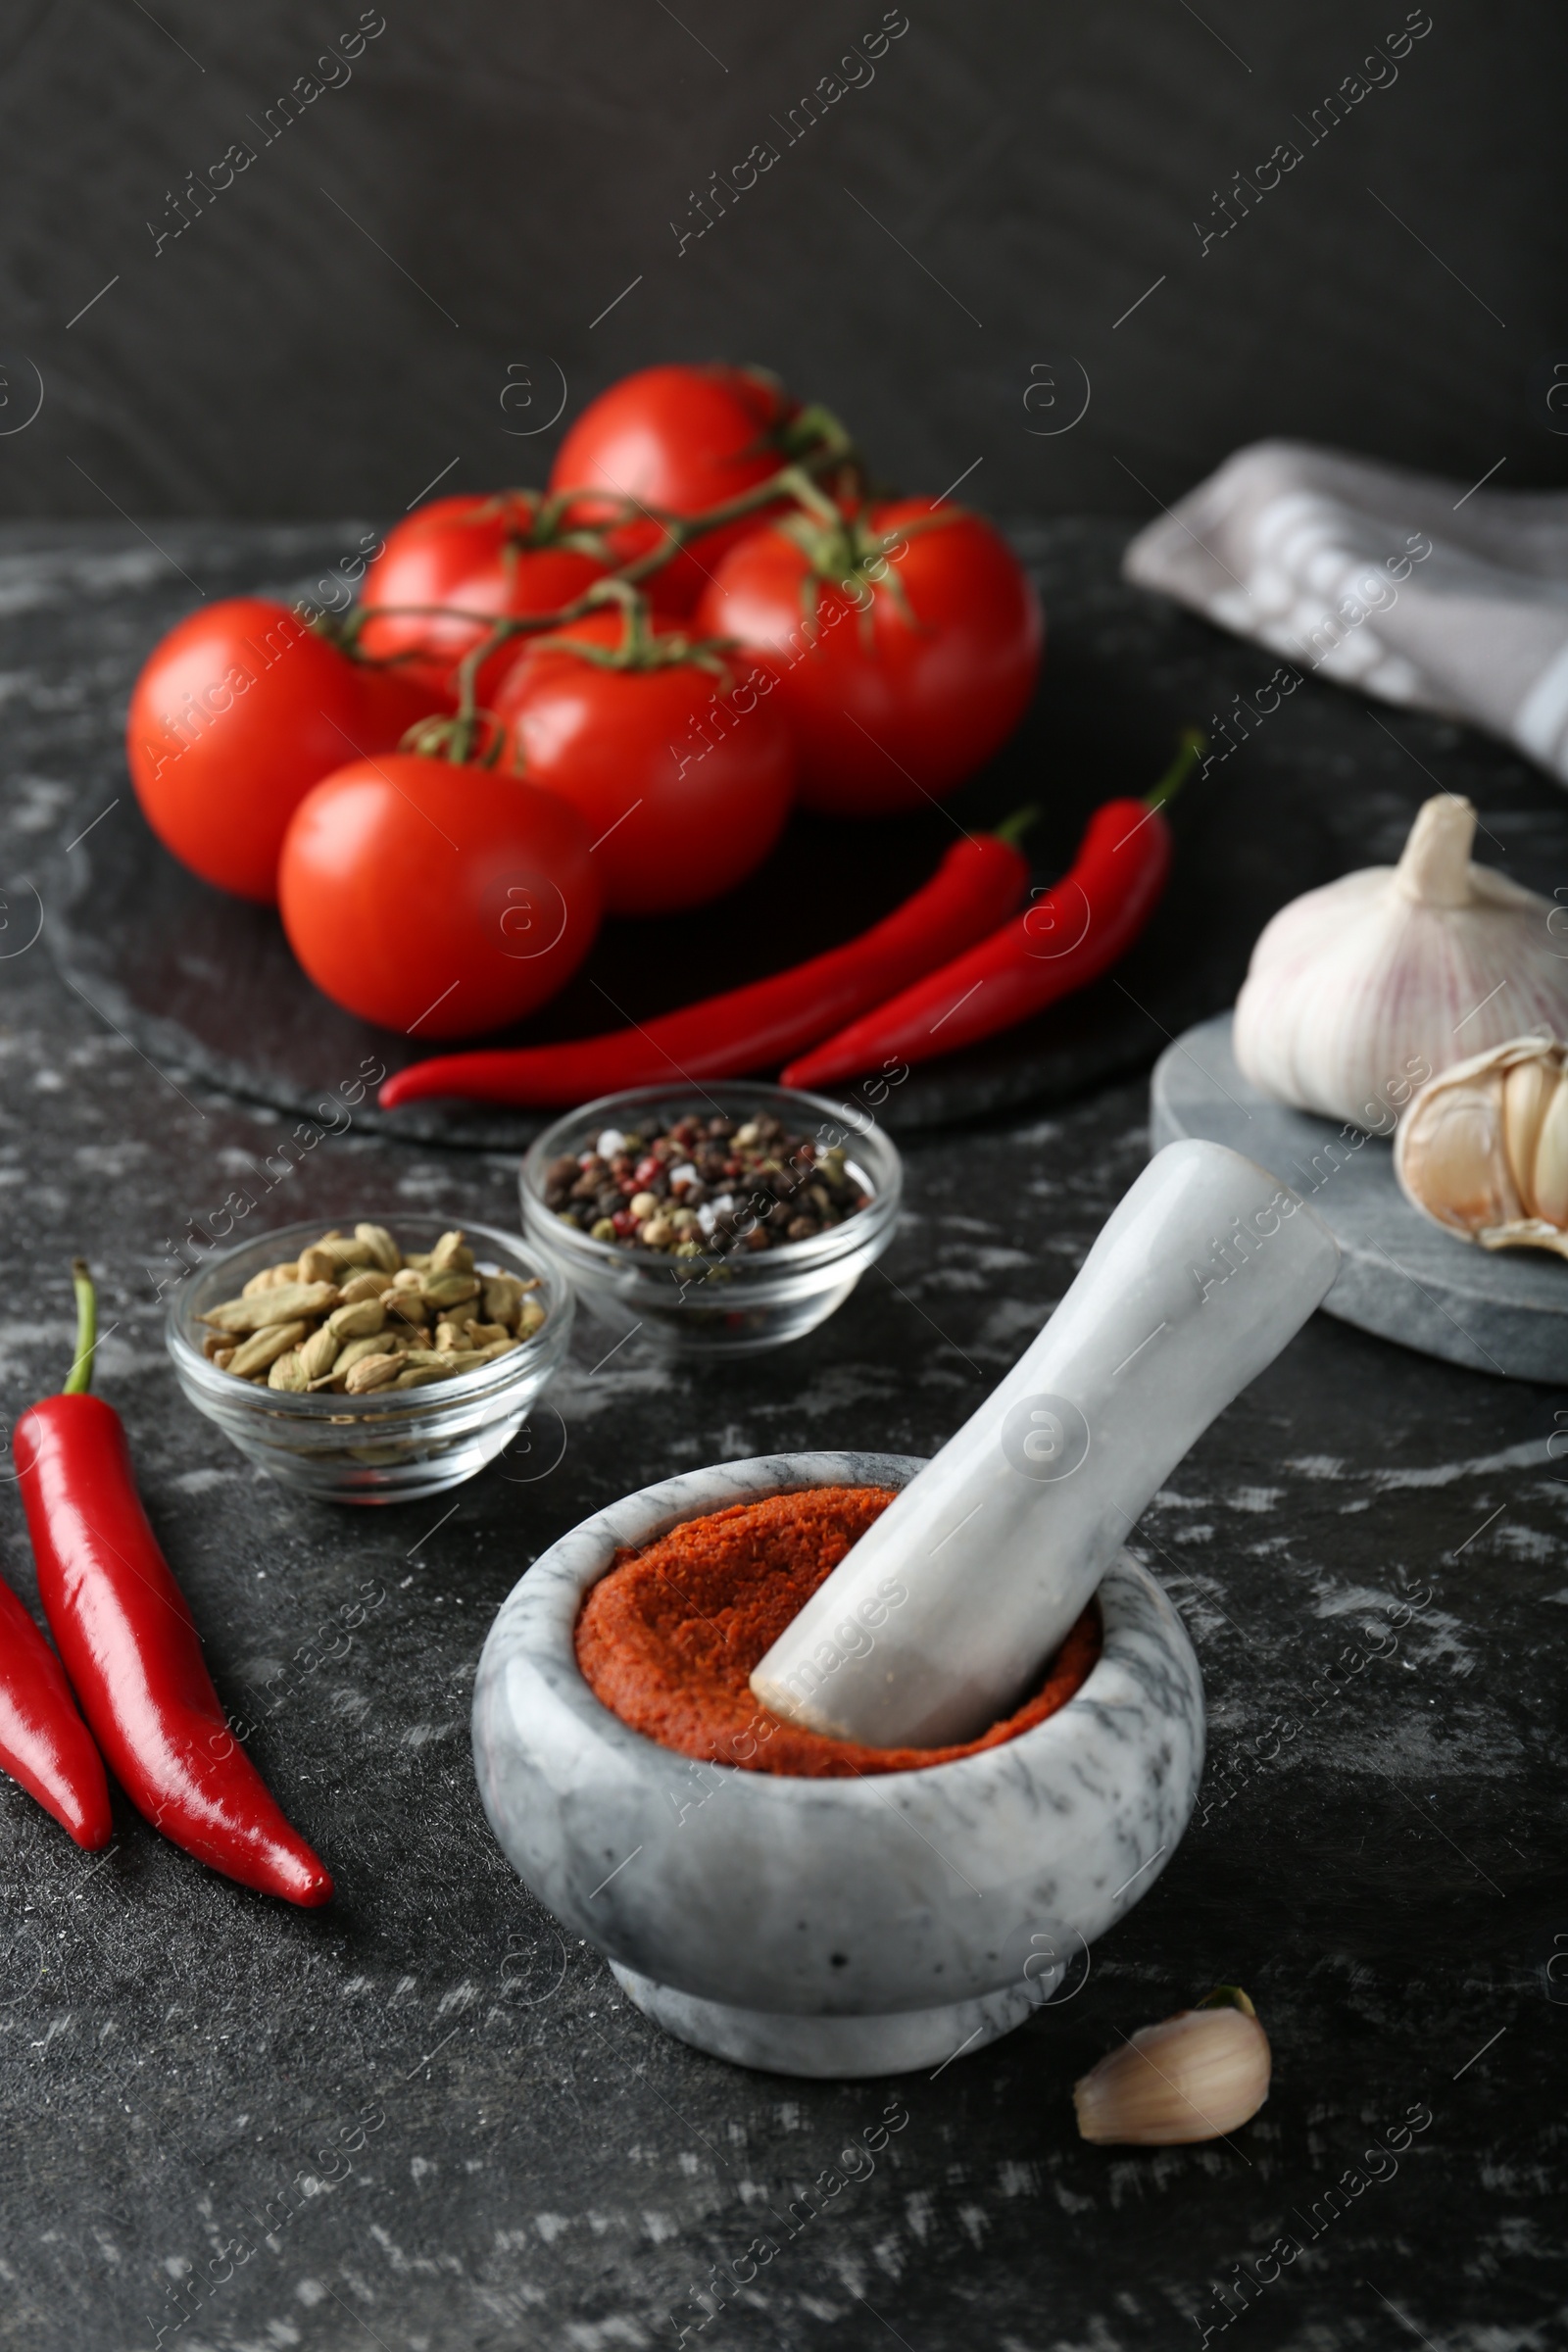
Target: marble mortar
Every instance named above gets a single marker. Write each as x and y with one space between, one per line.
844 1927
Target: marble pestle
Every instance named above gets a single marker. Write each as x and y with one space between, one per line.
935 1624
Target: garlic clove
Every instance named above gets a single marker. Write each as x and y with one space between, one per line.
1527 1089
1455 1161
1468 1130
1547 1189
1193 2076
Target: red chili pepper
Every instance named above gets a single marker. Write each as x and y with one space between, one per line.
44 1745
1068 938
130 1644
978 883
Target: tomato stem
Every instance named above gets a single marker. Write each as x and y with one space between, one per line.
818 442
795 479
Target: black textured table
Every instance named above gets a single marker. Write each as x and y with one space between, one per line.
421 2118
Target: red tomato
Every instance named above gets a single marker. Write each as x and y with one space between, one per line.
683 777
238 713
390 703
683 439
436 899
895 709
477 554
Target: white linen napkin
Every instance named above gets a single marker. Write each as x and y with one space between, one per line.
1399 584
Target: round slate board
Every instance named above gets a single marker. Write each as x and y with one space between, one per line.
1403 1277
205 986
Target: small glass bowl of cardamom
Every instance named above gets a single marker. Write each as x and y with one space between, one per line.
375 1363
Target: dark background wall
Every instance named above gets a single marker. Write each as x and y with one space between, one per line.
338 326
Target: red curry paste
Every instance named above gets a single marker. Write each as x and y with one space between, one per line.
668 1637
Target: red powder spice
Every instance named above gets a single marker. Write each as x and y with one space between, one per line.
668 1637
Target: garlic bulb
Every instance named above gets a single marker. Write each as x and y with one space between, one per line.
1484 1148
1360 990
1196 2076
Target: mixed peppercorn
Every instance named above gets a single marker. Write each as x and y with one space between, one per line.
702 1187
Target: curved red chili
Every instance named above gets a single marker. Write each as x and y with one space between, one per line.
978 883
1078 929
131 1649
44 1745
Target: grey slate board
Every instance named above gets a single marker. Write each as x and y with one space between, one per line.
1401 1276
206 984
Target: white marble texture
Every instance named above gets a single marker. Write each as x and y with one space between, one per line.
1000 1541
757 1915
837 2047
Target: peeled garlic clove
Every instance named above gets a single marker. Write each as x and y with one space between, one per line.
1196 2076
1360 990
1547 1190
1468 1130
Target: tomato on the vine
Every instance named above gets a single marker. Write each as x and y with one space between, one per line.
236 714
919 658
682 771
498 556
391 703
436 898
682 439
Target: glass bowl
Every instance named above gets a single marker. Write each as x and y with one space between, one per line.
735 1305
393 1447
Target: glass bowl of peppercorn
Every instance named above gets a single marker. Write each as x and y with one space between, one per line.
713 1220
